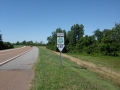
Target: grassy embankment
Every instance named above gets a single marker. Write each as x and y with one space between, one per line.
49 75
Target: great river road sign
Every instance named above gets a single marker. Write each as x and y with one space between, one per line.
60 47
60 44
60 41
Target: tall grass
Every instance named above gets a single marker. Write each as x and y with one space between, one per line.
112 63
49 75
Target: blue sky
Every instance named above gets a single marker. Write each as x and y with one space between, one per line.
36 19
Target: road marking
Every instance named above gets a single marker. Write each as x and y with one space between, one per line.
11 49
8 53
14 57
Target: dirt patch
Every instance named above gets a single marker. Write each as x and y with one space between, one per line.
114 76
15 79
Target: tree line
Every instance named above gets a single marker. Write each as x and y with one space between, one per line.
5 45
30 43
8 45
105 42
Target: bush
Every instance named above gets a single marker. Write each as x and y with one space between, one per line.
8 45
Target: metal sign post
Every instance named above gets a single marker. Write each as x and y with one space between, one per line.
60 59
60 44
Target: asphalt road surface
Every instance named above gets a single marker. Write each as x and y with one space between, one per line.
8 55
16 74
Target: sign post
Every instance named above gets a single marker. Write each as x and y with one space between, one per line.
60 44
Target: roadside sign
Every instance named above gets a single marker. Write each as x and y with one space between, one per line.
60 40
60 47
60 44
60 34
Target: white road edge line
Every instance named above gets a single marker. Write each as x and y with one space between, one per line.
14 57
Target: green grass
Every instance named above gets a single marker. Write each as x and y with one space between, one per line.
109 62
18 46
49 75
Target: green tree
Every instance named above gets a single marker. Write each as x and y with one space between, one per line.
98 35
86 45
76 32
110 44
17 43
106 42
41 43
30 43
8 45
24 42
1 43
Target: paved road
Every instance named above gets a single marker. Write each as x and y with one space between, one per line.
16 74
6 56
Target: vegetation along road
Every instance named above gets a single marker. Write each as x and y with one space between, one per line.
50 75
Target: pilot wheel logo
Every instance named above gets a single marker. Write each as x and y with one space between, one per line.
60 40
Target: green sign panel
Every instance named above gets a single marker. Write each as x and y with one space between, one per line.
60 40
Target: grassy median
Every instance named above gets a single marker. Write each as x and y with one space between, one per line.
49 75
